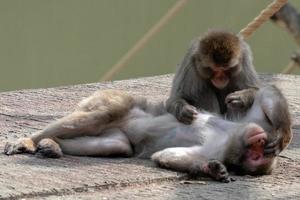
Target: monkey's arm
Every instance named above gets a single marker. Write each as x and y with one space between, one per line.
276 110
270 110
192 161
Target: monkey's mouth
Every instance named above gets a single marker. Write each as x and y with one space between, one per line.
256 158
254 155
220 83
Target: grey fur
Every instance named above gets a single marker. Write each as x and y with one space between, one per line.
115 124
191 87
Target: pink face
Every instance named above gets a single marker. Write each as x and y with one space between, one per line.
219 78
254 159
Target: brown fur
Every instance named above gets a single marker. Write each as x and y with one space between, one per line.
215 65
114 102
221 46
96 129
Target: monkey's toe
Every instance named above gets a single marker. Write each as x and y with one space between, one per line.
23 145
9 149
49 149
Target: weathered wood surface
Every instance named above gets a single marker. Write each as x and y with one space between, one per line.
23 112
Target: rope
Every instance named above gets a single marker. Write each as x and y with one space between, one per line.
291 66
264 15
144 40
295 62
141 43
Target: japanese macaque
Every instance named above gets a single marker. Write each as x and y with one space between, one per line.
215 66
113 123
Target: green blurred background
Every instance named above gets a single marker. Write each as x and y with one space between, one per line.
47 43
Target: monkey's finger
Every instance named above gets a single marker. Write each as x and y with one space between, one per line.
188 116
225 180
190 109
7 149
271 152
187 120
232 97
235 104
223 176
273 143
273 148
11 149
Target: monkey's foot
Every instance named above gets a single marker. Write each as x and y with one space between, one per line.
217 171
188 114
23 145
48 148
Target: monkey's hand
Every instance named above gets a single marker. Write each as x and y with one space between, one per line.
23 145
187 114
274 147
217 171
242 99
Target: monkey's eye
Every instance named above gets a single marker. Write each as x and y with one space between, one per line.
234 67
231 71
207 71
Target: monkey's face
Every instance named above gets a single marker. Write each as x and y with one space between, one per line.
219 56
252 160
219 74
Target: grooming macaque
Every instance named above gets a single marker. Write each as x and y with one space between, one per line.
112 123
215 66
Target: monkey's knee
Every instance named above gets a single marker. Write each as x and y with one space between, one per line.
48 148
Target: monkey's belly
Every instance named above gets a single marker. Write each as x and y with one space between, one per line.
185 136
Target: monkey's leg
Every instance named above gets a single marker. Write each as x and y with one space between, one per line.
191 160
112 142
76 124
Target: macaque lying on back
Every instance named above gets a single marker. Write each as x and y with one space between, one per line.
112 123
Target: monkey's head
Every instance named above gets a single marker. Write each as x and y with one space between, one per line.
248 156
218 57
